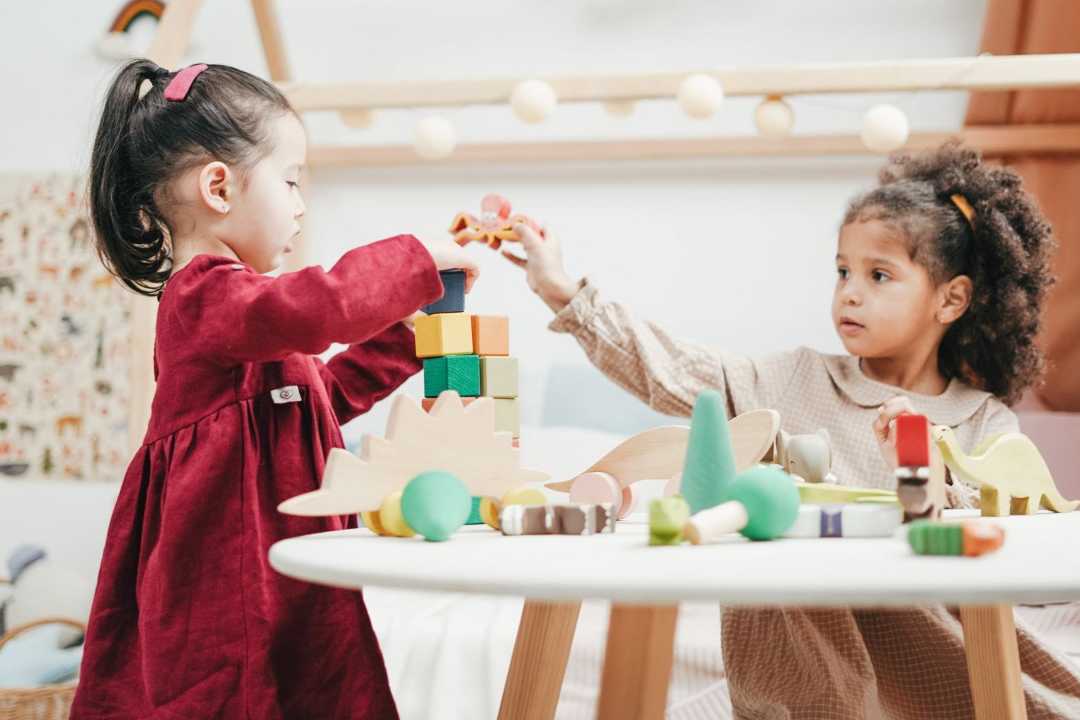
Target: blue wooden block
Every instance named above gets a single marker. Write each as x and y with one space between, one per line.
453 299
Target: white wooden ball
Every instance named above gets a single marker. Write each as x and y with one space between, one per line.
885 128
774 118
533 101
700 96
434 138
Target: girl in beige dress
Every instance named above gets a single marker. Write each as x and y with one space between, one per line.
941 272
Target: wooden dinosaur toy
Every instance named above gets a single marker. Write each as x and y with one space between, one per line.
1009 471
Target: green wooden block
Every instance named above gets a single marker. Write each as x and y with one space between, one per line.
667 517
452 372
499 377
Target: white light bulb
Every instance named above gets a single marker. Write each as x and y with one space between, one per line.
774 118
885 128
434 138
533 101
700 96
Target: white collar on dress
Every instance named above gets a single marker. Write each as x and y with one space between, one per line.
954 406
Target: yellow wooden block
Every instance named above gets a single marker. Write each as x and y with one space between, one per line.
391 517
444 334
507 415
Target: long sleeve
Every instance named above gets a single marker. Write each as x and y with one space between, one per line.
363 374
664 372
237 315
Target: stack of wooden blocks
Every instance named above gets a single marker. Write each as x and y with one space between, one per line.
469 354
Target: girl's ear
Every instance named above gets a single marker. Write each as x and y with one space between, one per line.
954 299
215 186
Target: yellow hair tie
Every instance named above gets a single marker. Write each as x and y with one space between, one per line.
965 208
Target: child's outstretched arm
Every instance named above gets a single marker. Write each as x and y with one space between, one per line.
662 371
237 315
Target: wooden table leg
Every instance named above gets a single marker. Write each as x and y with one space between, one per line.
993 662
637 662
539 660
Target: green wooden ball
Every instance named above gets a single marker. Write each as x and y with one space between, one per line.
771 500
436 504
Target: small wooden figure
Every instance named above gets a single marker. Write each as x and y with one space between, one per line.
453 299
807 456
1009 471
969 538
920 473
445 334
556 520
491 335
499 377
494 226
763 503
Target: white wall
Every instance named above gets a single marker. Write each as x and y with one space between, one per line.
730 252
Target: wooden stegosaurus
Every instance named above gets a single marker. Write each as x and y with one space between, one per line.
451 437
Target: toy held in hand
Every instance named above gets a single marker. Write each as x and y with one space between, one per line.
494 225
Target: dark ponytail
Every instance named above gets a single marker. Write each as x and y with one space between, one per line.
143 141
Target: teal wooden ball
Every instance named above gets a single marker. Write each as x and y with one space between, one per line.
436 504
771 501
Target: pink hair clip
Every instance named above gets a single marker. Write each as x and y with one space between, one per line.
179 87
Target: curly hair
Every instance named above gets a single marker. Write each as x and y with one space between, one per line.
1005 250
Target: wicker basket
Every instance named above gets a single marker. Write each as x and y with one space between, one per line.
51 702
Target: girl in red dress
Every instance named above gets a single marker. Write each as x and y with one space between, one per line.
193 191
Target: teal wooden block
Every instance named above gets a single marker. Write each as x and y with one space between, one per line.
452 372
499 377
475 518
710 460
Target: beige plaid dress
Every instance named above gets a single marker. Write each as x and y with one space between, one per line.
824 663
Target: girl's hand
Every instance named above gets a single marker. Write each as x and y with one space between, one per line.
885 426
448 255
543 265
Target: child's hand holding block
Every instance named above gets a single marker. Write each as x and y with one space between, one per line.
499 377
453 299
447 334
452 372
491 334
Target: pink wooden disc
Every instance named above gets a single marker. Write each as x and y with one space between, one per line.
594 488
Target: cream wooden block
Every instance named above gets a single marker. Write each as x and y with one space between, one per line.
450 437
507 417
659 453
499 377
443 334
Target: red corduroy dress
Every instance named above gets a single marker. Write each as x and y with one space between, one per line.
189 622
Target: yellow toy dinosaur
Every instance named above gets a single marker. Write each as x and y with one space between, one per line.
1009 471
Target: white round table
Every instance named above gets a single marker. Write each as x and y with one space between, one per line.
1038 563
